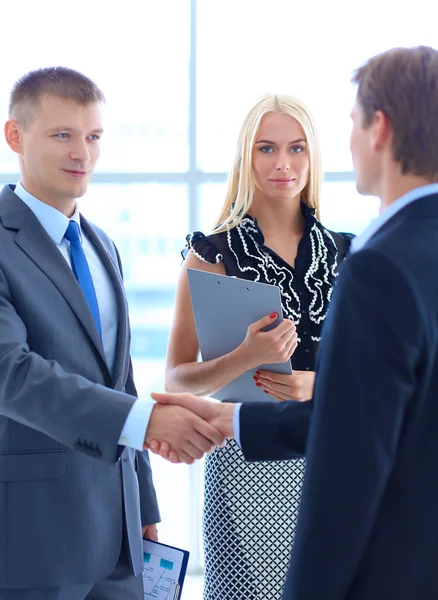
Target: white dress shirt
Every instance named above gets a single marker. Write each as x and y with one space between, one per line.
359 242
55 223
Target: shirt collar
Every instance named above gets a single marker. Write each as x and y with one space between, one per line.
54 222
361 240
308 213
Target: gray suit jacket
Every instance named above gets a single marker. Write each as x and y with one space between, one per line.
67 489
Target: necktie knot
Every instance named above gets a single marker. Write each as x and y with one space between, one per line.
72 234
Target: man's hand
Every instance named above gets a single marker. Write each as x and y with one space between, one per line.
298 386
219 415
188 434
150 532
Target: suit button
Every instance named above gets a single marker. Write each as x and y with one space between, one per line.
307 369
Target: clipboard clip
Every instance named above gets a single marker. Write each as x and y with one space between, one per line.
177 591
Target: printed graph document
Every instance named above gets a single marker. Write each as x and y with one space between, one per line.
223 308
164 571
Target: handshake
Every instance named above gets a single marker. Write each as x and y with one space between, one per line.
184 427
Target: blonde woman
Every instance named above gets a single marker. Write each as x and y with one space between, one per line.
268 231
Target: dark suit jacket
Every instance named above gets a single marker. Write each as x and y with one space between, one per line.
65 485
368 522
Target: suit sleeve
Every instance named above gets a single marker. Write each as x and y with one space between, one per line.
366 378
150 513
274 431
69 408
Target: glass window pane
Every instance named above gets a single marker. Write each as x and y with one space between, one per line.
147 222
142 69
212 197
172 485
344 209
304 49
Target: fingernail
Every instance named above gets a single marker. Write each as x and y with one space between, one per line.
273 315
256 378
257 372
258 384
266 391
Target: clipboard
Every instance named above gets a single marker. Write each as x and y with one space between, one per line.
164 570
223 308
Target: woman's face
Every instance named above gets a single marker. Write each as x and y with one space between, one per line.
280 158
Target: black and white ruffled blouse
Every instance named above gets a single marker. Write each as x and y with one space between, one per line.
305 289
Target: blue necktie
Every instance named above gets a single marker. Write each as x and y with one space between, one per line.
82 271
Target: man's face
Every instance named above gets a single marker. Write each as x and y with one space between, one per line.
59 149
365 160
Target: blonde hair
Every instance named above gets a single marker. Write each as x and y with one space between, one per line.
241 186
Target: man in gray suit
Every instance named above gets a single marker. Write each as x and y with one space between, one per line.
76 489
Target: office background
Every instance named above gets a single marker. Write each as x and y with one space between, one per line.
179 76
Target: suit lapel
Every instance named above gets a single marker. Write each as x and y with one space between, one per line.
122 346
32 238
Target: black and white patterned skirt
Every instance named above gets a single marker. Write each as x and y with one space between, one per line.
250 512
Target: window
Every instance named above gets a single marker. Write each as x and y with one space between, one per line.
246 49
137 52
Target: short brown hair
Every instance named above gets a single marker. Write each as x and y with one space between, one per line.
403 84
62 82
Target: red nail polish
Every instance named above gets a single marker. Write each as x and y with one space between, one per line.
266 391
257 372
258 384
256 378
273 315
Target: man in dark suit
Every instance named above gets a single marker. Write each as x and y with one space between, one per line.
76 489
368 522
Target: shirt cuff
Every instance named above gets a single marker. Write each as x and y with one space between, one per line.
236 423
134 430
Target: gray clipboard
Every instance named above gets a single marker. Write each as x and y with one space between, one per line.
223 308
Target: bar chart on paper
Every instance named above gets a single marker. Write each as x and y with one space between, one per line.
164 571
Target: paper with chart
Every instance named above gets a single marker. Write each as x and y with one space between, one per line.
162 571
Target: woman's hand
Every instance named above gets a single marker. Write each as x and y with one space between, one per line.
298 386
266 347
